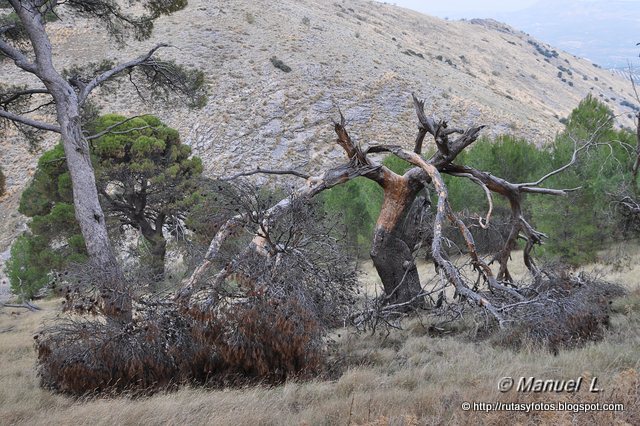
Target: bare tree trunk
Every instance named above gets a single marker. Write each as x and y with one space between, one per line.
89 214
394 242
116 299
636 163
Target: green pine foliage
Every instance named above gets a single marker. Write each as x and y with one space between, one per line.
147 163
147 180
578 225
358 204
513 159
54 239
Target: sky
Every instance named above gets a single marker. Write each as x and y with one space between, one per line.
464 8
604 31
458 9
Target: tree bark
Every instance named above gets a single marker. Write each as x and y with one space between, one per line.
157 251
394 241
89 214
116 299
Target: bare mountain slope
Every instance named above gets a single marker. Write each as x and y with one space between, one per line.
362 56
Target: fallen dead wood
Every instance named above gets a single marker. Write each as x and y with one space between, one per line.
25 305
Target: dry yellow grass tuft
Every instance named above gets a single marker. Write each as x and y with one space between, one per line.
405 377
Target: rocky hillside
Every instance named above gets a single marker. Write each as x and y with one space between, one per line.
362 56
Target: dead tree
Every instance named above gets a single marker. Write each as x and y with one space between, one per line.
627 201
394 241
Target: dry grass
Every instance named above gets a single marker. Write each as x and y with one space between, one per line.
403 377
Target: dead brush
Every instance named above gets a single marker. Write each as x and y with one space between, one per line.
80 355
262 339
252 340
558 310
264 323
565 311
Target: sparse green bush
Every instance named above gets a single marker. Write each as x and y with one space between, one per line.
3 183
54 238
278 63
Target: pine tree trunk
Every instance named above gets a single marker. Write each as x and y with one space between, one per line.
158 251
115 293
394 242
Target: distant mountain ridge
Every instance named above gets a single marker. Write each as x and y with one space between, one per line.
604 31
363 57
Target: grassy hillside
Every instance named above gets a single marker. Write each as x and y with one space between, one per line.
408 376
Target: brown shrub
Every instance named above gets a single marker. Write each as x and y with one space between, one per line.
263 340
155 351
255 340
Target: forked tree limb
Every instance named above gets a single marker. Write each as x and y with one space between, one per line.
11 96
484 224
358 165
259 170
399 194
26 305
29 121
98 80
19 58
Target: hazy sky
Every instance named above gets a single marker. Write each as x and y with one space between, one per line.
605 31
460 8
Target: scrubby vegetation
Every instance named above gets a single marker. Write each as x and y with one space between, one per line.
263 316
279 63
284 280
419 374
268 324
